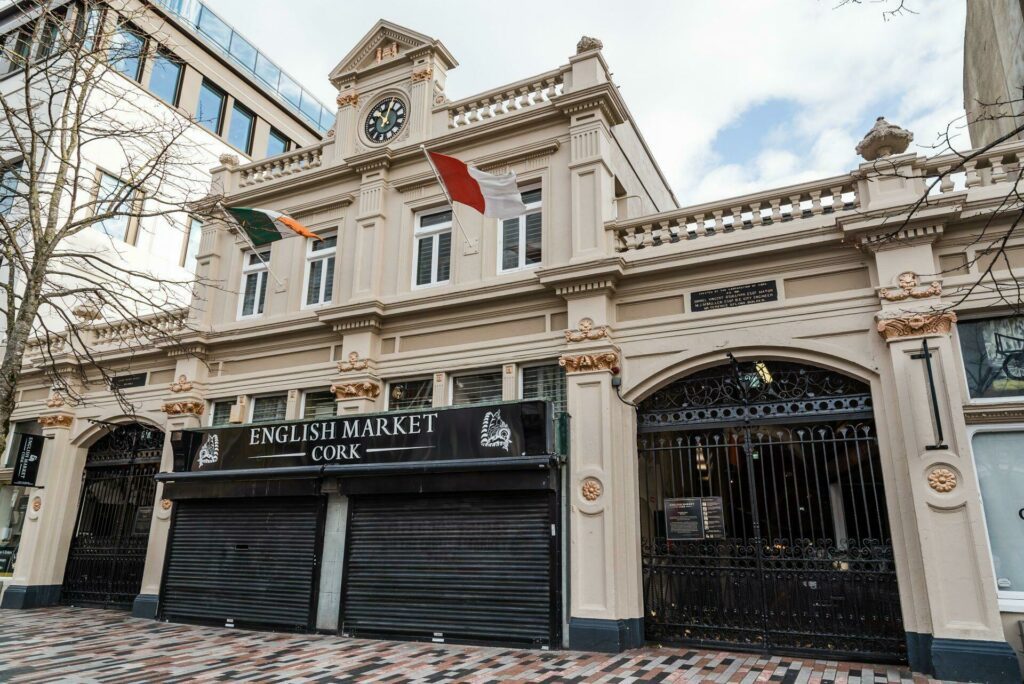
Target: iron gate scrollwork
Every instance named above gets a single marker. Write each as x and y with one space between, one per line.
108 551
799 558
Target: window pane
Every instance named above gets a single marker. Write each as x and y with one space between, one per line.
111 189
276 144
327 243
1000 463
8 187
436 219
531 196
510 243
267 409
249 297
165 80
533 238
47 40
319 405
313 287
262 297
222 412
126 52
195 234
444 256
424 253
87 27
243 51
410 394
240 134
993 353
211 107
329 280
477 389
212 26
545 382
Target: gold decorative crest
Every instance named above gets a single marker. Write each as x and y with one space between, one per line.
587 331
60 420
928 323
908 288
184 408
354 363
942 480
345 99
591 489
182 384
353 390
584 363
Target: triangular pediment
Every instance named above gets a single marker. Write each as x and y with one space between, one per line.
387 43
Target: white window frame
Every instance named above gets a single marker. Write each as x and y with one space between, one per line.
129 204
387 388
431 232
531 208
1009 601
305 395
260 268
213 407
252 405
476 371
326 288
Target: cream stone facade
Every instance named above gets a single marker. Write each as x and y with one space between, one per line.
849 281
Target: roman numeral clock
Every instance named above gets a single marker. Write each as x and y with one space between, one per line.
385 120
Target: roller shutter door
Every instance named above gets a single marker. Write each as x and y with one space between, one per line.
248 560
465 567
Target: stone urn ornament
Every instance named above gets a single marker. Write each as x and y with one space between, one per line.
884 139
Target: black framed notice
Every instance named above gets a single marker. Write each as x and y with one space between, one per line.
26 461
694 518
128 381
737 295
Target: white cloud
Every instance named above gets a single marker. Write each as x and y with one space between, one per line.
687 70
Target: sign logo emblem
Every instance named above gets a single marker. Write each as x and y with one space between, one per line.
495 432
209 453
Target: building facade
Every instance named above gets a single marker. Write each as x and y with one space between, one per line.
994 70
777 432
182 64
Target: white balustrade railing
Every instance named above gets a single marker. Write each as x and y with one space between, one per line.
148 328
529 92
772 208
949 173
289 164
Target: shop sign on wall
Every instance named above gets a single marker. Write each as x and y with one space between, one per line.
26 462
694 518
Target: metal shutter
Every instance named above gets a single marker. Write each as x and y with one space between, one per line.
464 567
247 560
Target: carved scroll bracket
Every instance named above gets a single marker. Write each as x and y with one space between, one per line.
916 324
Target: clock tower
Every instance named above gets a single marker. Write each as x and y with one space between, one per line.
387 87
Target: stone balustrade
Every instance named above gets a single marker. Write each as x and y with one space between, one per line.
288 164
529 92
948 173
774 209
133 332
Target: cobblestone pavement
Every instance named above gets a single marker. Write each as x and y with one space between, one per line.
89 645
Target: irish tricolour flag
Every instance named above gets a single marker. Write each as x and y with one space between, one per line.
264 226
491 195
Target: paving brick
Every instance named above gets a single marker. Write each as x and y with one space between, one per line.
90 645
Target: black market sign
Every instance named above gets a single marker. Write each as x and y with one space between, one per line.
26 461
128 381
694 518
736 295
475 432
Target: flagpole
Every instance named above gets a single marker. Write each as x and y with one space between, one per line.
255 249
444 189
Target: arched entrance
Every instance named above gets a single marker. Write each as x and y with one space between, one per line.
763 514
108 551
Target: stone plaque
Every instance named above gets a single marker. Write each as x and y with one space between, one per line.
736 295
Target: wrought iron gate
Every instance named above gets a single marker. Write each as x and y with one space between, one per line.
763 514
108 551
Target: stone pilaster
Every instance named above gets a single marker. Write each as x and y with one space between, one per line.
607 602
50 519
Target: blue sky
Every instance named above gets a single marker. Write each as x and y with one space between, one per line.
732 97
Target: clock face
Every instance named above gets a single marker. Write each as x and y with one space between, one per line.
385 120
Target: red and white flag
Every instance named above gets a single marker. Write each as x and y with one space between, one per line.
491 195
